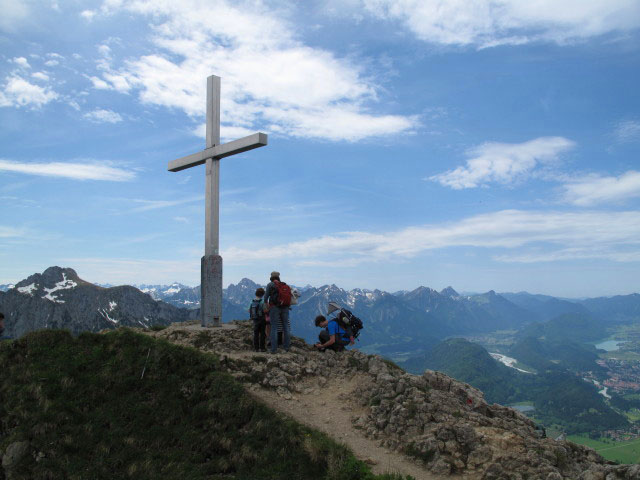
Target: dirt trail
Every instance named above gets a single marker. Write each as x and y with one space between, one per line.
324 403
327 410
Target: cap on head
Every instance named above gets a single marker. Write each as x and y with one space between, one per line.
275 274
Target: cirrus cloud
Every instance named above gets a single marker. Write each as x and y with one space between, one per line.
488 23
548 236
597 189
71 170
503 163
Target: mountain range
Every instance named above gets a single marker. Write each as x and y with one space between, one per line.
407 321
59 298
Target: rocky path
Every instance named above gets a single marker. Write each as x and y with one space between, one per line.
428 426
329 410
325 403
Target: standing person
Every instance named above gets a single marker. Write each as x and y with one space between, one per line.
277 299
1 324
256 313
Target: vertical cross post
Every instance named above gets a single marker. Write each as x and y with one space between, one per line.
211 262
212 206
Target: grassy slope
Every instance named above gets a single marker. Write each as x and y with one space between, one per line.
82 403
623 452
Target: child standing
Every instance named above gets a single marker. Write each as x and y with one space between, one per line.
257 314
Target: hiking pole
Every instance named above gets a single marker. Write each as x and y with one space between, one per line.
145 364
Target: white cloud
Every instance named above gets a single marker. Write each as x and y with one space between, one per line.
503 162
21 61
51 63
99 83
104 50
88 14
74 171
14 14
628 131
18 92
487 23
595 189
40 76
270 79
605 235
103 116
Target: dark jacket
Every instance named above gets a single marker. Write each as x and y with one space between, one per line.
271 294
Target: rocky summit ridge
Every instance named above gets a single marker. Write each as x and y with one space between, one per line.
429 425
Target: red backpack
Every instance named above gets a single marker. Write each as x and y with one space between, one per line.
284 293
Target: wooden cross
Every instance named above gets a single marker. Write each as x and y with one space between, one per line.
211 266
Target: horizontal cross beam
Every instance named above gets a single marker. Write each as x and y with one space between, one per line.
219 151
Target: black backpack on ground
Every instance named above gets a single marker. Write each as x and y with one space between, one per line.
349 322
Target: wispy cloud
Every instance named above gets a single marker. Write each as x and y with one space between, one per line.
487 23
550 233
74 171
272 80
146 205
11 232
120 271
628 131
18 92
103 116
596 189
503 163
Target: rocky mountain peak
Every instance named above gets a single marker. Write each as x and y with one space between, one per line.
52 278
449 292
422 290
53 275
247 283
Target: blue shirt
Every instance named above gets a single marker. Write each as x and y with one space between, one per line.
335 329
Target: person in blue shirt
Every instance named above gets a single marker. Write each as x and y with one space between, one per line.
332 336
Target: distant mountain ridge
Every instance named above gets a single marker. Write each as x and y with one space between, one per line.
59 298
407 321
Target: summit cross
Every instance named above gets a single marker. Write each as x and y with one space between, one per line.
211 263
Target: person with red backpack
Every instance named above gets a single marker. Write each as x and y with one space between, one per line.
277 299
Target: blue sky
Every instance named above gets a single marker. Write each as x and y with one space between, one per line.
482 145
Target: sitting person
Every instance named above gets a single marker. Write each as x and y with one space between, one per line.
333 335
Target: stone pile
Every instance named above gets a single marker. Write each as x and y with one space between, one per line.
444 425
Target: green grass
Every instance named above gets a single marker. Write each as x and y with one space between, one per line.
623 452
633 415
84 404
